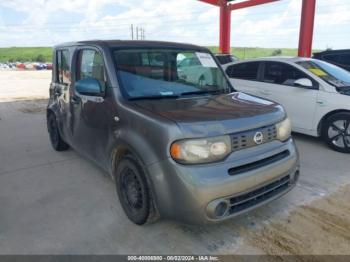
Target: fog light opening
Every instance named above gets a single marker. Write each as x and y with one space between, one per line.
296 176
221 209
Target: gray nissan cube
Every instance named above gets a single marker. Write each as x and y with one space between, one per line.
164 121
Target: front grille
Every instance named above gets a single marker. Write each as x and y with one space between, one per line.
258 196
246 139
257 164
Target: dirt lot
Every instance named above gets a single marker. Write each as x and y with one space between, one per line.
60 203
21 85
321 227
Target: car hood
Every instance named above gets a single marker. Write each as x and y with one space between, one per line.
216 115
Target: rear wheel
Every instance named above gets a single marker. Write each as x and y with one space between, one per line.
56 140
336 132
133 191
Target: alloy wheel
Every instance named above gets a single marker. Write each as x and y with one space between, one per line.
339 133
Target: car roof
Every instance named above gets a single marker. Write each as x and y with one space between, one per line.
133 43
332 51
276 59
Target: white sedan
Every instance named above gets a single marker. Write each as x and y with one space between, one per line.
315 94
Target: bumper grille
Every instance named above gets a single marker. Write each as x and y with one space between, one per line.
259 195
246 139
258 164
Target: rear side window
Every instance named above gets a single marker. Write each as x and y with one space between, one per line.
90 65
63 67
246 71
282 74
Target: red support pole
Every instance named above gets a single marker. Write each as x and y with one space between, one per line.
306 28
225 29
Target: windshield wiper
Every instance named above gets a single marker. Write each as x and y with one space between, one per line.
213 92
153 97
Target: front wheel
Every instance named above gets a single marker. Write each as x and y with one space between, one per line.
336 132
133 191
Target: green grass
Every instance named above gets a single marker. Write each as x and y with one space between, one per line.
26 54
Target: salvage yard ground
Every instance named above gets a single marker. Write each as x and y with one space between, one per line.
60 203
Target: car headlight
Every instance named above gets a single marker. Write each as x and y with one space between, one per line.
284 129
203 150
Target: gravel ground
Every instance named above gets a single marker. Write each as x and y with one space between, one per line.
22 85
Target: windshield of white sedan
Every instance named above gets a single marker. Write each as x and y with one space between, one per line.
332 74
166 73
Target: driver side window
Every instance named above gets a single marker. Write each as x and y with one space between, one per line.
90 65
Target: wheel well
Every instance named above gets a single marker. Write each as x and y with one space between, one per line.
119 153
326 116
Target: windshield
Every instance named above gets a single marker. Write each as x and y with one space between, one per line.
158 73
332 74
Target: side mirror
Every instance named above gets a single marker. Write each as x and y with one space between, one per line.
303 82
89 86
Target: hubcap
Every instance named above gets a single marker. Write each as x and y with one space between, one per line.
132 191
339 133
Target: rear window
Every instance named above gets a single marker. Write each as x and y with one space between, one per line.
246 71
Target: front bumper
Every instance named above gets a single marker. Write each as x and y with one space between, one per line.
245 180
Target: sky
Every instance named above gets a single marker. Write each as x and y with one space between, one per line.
276 25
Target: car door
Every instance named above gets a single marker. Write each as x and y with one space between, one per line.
60 86
278 85
92 116
244 77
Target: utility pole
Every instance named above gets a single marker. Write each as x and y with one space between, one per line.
138 33
132 32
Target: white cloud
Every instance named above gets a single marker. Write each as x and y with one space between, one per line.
270 25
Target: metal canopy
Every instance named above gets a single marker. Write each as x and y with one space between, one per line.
306 23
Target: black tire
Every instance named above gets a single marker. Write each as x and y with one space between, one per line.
55 137
133 191
336 132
